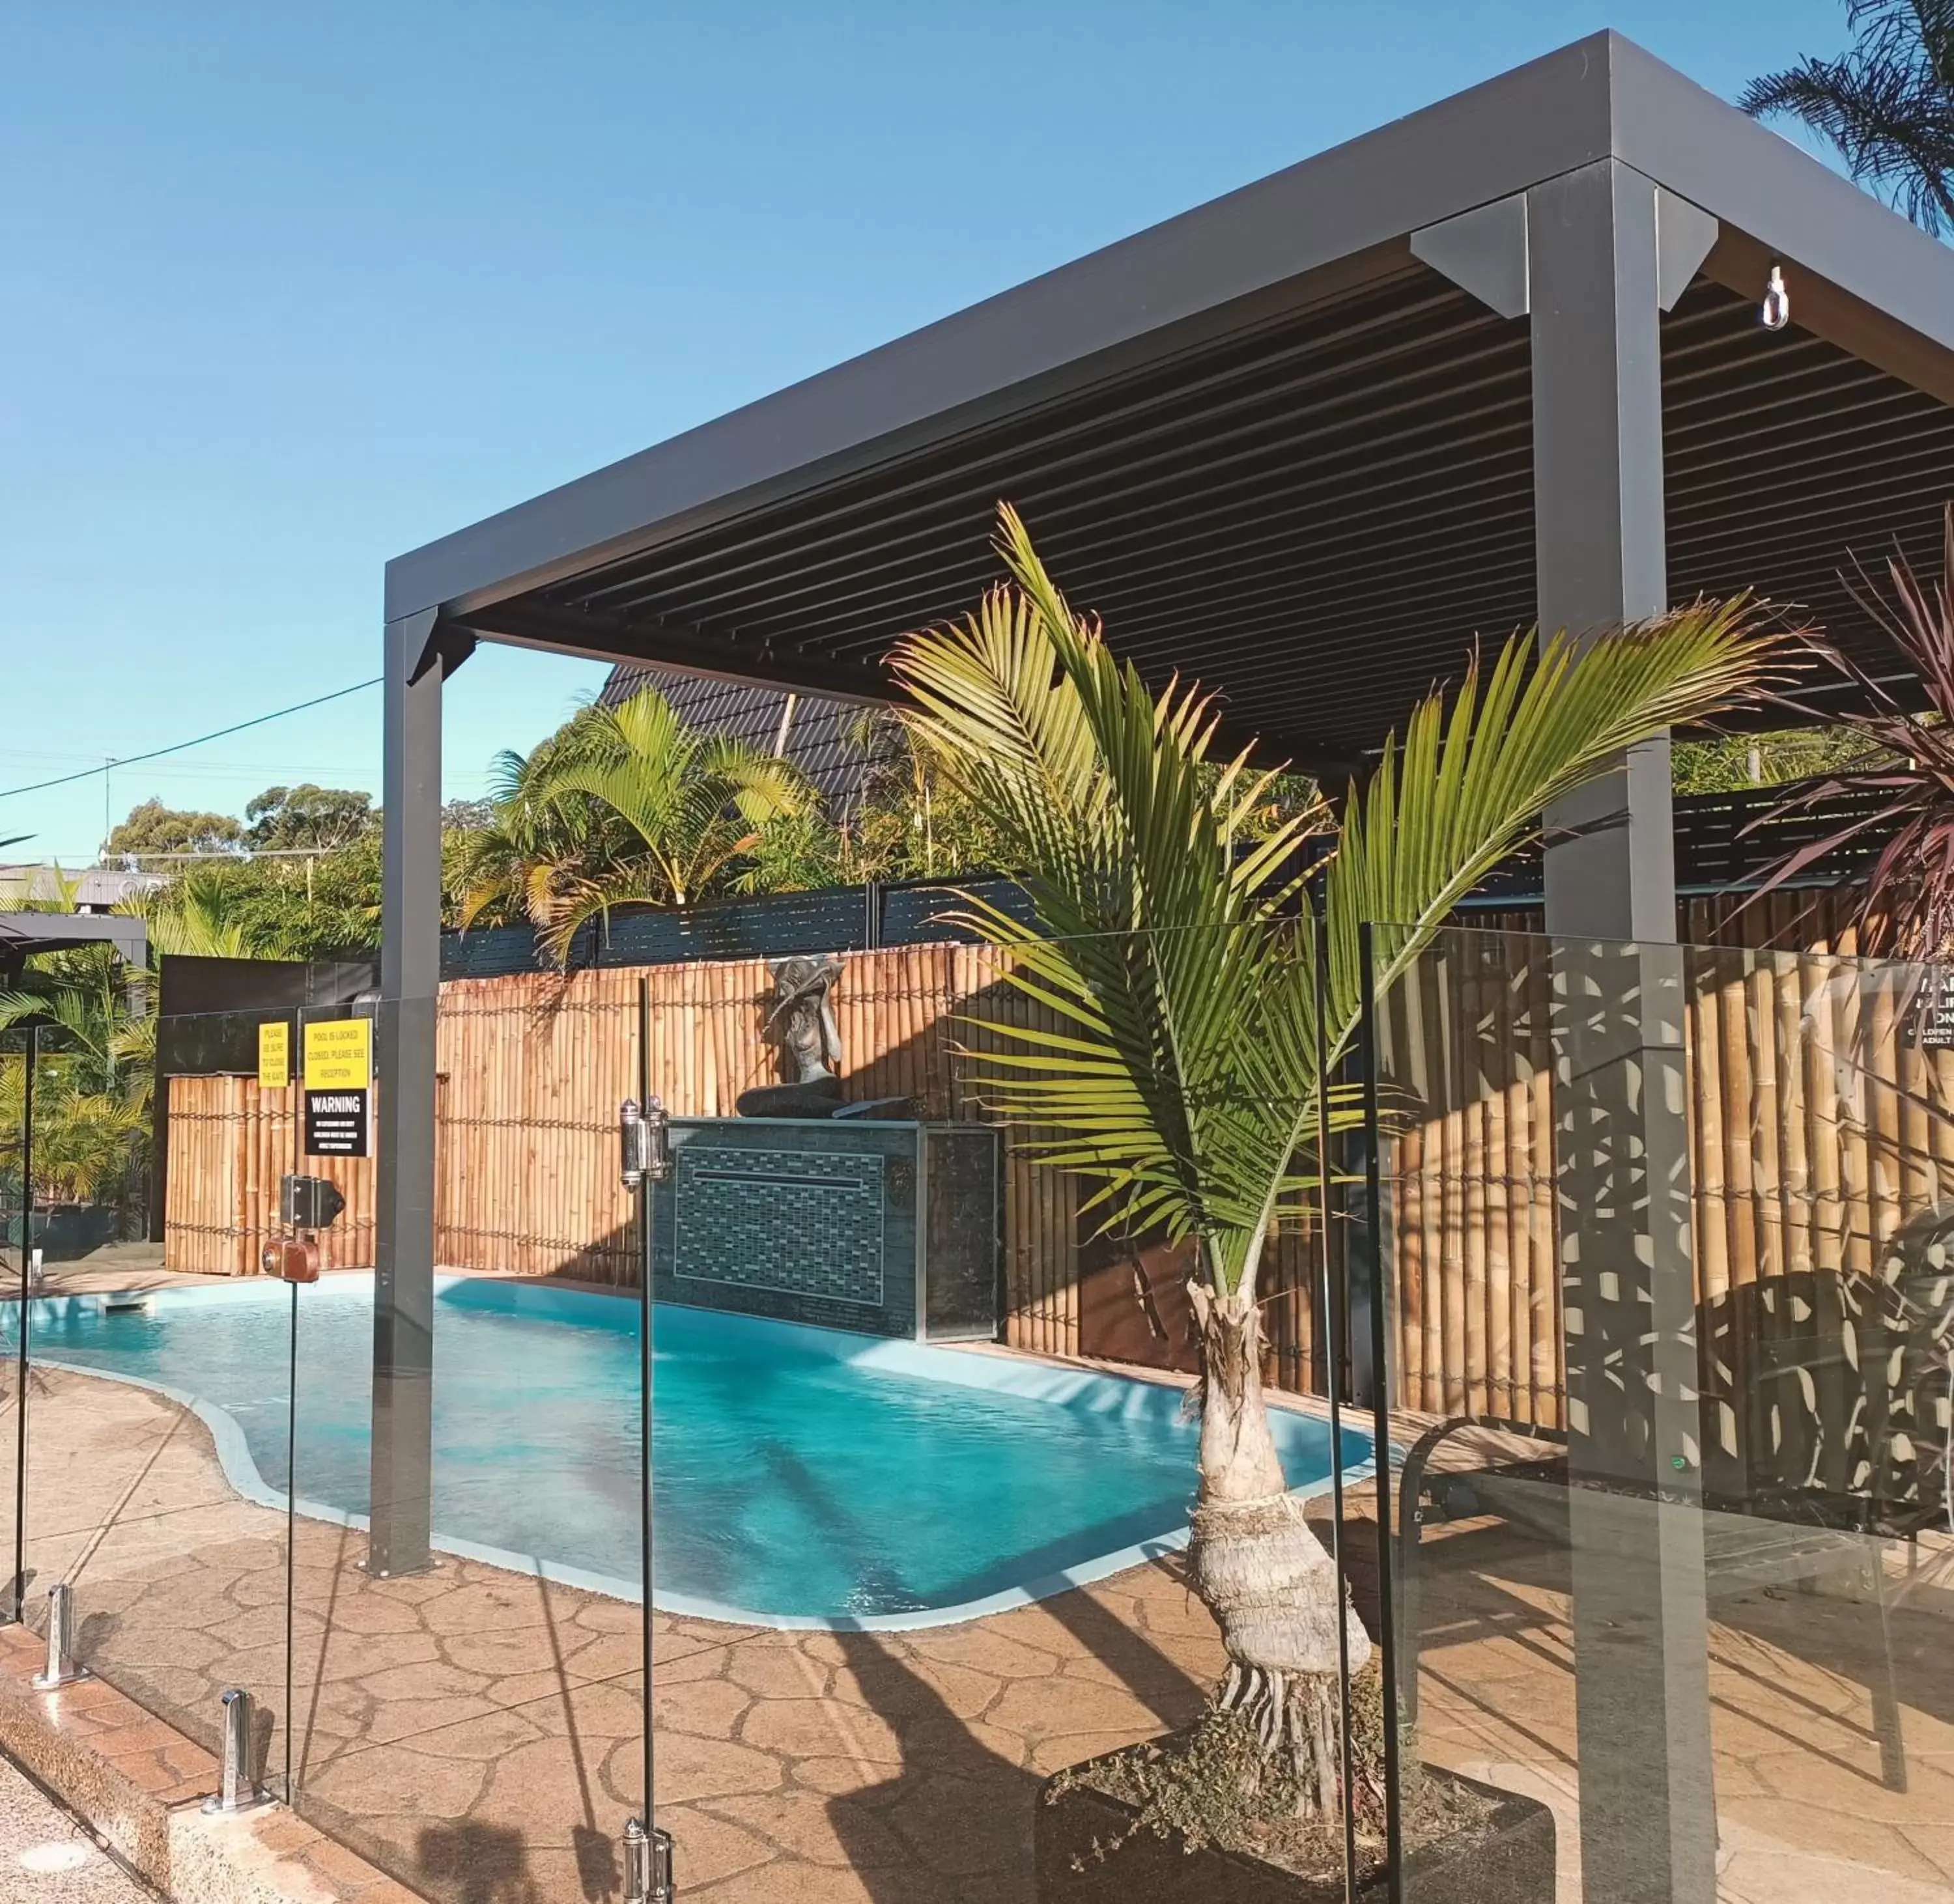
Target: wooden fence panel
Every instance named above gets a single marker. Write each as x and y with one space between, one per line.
230 1143
1816 1127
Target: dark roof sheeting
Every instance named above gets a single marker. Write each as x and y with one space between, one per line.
824 738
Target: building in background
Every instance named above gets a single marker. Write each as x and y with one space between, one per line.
93 889
834 743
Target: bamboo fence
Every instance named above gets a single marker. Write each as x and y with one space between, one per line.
229 1144
531 1070
1813 1127
1817 1125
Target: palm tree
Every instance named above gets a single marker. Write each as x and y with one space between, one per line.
98 1056
92 1103
1177 1068
624 804
1888 105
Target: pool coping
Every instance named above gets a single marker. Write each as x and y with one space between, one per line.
1056 1382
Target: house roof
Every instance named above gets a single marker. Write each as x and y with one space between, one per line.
94 888
819 735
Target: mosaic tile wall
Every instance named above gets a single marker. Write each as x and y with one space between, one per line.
807 1221
797 1222
822 1220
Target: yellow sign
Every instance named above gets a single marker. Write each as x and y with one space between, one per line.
339 1054
274 1056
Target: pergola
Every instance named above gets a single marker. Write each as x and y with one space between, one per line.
1500 362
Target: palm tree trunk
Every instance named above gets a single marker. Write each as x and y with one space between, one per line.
1270 1586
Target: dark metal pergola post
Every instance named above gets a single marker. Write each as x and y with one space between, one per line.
1602 241
409 984
1593 257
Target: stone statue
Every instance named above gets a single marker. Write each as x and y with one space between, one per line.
803 1021
804 1018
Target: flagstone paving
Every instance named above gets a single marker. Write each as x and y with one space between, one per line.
476 1732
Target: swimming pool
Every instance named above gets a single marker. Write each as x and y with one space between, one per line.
804 1477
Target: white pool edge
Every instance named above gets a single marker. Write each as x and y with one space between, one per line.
241 1472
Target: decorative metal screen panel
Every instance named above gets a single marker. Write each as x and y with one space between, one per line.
797 1222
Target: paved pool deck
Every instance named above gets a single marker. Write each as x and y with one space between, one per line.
46 1857
476 1732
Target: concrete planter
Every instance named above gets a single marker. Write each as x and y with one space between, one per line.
1512 1865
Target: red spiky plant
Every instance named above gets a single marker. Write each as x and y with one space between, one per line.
1905 899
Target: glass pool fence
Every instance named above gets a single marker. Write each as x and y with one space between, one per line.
1667 1315
1631 1258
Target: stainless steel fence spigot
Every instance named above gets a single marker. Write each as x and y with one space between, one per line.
236 1790
62 1668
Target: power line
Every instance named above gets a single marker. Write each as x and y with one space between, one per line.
156 753
242 856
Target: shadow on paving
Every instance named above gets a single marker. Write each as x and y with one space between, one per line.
956 1822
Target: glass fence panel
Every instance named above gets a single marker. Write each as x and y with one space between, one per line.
158 1412
927 1626
1479 1560
468 1619
1823 1218
1668 1318
925 1465
16 1054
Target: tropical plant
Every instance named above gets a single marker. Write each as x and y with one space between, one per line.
1887 106
92 1096
197 914
1735 763
306 906
622 804
1905 788
96 1055
1178 1069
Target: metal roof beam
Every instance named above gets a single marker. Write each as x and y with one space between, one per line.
673 645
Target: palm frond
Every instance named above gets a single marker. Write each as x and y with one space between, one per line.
1887 105
1469 783
1171 1053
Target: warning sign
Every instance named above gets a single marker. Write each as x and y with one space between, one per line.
1933 1012
339 1054
337 1123
274 1056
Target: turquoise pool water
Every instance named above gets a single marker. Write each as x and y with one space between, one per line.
803 1475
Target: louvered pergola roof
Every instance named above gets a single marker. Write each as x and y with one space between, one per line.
1268 444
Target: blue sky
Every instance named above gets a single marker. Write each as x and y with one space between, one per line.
292 289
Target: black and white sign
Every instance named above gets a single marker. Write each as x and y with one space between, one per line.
337 1124
1934 1010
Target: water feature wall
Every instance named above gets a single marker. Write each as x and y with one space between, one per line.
886 1228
